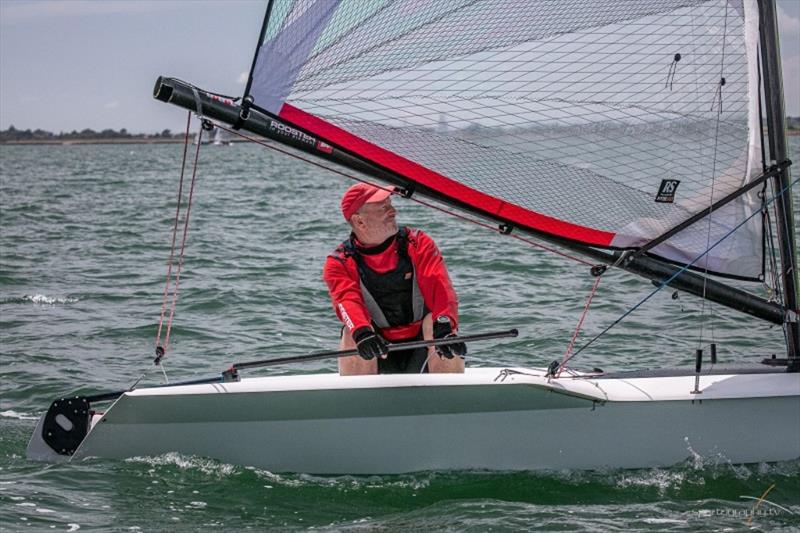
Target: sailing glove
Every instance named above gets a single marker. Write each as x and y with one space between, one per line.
443 328
369 343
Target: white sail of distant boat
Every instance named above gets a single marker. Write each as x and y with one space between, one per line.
629 135
220 139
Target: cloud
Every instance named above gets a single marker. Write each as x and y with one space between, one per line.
791 85
243 78
111 105
789 29
787 24
21 11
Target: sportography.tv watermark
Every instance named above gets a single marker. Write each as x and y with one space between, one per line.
761 508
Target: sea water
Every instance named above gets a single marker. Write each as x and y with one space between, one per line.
85 235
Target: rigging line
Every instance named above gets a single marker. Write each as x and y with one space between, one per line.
673 70
760 113
159 349
775 292
713 185
417 200
778 279
571 344
765 228
183 244
666 282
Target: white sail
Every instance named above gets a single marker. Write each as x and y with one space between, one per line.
567 118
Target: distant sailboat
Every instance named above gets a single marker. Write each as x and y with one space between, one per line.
199 138
219 140
629 135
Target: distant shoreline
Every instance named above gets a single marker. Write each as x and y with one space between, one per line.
104 141
160 140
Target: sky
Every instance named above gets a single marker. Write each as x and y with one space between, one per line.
73 64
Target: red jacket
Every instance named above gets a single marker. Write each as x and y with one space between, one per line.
341 275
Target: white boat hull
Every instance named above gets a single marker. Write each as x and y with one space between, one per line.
483 419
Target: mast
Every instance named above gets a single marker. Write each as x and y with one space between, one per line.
261 35
776 131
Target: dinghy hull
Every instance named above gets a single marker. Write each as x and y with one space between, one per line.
484 419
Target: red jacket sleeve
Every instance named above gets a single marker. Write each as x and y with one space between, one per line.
345 290
432 277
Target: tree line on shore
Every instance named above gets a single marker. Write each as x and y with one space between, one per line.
13 134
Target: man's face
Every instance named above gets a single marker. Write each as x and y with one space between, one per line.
375 222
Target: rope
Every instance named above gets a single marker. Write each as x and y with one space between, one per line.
183 240
673 70
774 291
161 350
578 327
713 186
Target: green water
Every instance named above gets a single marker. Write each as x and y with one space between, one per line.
85 234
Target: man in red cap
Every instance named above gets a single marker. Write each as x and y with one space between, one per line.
390 284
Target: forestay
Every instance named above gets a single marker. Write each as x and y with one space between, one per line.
605 123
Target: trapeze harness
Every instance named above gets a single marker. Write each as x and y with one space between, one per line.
392 298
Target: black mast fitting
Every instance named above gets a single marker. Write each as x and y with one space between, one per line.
406 191
598 270
244 112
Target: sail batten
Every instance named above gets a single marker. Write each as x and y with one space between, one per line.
605 124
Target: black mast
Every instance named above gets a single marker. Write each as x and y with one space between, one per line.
776 132
261 35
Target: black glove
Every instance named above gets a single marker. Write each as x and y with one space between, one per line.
369 343
443 328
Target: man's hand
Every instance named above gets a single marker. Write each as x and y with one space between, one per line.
443 328
370 344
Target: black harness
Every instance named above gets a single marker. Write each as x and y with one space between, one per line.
393 298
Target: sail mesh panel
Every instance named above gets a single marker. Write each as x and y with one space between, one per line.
575 110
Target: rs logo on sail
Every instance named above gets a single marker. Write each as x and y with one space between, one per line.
666 193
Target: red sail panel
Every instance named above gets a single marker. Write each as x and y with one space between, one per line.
417 173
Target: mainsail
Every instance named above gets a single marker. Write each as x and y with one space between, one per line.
603 123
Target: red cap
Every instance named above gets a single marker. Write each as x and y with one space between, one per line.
360 194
